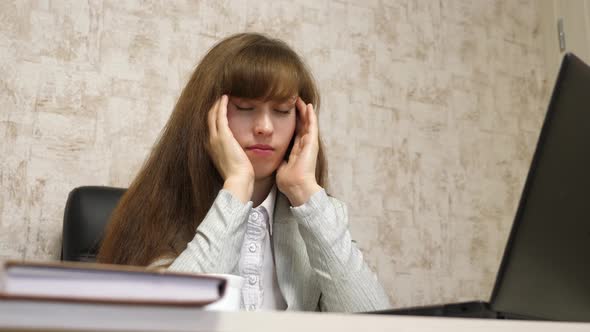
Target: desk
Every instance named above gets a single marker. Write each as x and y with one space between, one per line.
284 322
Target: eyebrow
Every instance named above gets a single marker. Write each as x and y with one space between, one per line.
291 101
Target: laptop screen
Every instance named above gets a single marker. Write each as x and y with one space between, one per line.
545 272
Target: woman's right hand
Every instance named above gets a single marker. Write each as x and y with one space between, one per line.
228 156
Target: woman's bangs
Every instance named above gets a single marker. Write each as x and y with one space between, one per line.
263 73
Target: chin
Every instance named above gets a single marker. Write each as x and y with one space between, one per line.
261 174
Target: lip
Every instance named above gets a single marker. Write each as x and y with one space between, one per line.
261 149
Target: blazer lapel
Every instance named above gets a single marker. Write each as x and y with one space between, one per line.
294 273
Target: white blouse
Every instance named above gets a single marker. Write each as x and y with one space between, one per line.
261 290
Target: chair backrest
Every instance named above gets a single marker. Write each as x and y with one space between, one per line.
88 210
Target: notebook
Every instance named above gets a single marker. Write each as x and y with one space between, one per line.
545 270
100 283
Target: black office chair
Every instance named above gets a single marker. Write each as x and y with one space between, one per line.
87 213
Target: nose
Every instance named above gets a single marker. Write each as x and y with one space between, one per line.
263 125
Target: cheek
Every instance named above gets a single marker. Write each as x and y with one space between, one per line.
231 119
237 124
286 128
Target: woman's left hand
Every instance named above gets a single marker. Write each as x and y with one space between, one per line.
296 177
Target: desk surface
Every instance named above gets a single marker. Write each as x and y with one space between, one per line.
11 318
373 323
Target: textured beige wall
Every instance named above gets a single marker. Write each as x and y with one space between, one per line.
431 112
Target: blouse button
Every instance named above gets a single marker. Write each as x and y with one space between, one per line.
254 216
252 280
252 247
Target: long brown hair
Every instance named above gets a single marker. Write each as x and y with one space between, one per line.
168 199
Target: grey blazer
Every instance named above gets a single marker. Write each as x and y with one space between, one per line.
318 266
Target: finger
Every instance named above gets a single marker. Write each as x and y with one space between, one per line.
301 107
298 125
222 123
295 149
211 116
313 122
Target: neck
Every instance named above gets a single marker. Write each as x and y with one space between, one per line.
261 189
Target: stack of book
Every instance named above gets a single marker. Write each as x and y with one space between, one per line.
96 296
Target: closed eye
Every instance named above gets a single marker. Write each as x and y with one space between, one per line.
244 108
284 111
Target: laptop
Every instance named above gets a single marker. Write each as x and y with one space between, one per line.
545 270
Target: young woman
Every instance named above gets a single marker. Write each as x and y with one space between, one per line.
235 185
